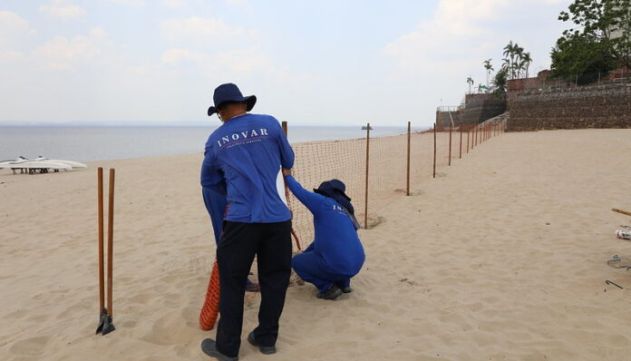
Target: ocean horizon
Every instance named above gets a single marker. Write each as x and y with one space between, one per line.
105 142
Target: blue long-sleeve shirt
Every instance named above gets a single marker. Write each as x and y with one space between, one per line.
243 159
336 239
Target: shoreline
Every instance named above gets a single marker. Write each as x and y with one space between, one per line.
139 142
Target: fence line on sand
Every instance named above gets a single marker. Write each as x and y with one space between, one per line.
382 168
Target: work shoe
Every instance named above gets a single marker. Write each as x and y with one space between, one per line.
332 293
267 350
209 347
346 288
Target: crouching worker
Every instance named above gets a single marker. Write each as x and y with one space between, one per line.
336 254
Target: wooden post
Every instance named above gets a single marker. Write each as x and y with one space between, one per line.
100 232
468 133
407 187
450 128
293 232
367 165
460 153
110 244
476 135
434 173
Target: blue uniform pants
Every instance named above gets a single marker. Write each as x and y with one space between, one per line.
311 268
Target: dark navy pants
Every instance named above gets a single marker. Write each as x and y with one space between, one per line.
240 242
311 268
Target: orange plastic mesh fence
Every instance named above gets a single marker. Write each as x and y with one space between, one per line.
210 309
346 160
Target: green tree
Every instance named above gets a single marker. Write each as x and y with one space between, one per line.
501 77
582 59
622 32
600 42
470 82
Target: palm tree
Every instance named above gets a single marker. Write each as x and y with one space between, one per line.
516 60
470 82
518 63
509 55
489 69
527 61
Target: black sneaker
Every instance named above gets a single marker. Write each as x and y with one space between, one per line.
209 347
332 293
267 350
347 289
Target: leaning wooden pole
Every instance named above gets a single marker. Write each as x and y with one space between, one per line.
293 232
434 171
407 183
367 168
621 211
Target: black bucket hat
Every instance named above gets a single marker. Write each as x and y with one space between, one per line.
230 93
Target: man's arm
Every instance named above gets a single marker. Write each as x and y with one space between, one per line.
213 191
286 153
216 206
211 174
311 200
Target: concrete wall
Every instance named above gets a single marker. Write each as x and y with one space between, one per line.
444 121
606 105
480 107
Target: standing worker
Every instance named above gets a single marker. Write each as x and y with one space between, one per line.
243 160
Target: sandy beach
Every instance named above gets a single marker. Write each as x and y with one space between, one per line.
501 257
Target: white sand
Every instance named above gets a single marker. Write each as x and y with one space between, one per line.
502 257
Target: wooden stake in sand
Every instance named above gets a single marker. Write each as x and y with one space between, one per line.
621 211
468 134
106 324
407 184
434 172
100 231
367 165
450 129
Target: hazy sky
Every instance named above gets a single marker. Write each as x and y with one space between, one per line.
309 62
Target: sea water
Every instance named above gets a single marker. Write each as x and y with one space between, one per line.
90 143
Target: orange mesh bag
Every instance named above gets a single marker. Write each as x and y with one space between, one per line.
210 309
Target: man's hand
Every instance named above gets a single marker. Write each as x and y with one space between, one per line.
286 172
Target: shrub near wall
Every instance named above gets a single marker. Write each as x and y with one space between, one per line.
598 106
